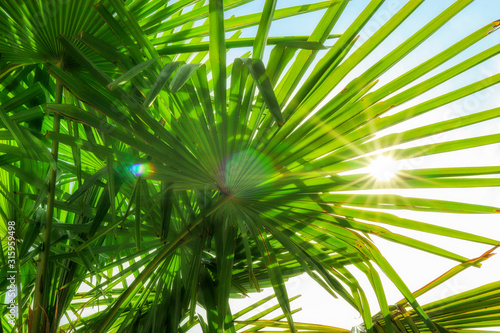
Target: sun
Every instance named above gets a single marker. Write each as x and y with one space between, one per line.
383 168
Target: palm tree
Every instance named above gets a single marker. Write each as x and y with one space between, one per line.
146 176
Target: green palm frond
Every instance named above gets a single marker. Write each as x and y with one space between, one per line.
31 29
476 308
149 175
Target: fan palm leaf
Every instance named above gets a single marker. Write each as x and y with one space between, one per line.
163 177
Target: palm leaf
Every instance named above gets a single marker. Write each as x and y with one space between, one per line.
150 175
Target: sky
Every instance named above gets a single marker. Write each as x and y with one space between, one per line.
416 267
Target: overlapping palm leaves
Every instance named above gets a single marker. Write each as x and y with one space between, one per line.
161 184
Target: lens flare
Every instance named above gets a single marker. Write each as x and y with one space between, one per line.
142 169
245 174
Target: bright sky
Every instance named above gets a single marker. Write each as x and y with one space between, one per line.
416 267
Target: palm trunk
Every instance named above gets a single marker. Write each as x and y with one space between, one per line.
40 316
